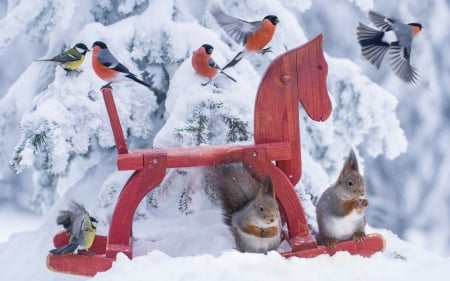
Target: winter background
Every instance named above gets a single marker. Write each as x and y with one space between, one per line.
56 143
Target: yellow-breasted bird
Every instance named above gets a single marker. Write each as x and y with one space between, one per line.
72 58
80 226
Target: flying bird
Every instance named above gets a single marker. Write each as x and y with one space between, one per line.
79 225
72 58
204 65
391 37
108 68
253 35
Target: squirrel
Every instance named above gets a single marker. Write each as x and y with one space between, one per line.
250 208
340 208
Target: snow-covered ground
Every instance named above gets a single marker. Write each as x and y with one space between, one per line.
199 247
15 219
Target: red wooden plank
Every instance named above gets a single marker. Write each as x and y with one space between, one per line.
372 244
79 264
202 155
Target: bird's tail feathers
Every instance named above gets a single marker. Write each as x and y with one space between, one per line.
134 78
372 46
69 248
235 60
228 76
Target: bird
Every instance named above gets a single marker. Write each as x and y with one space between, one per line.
108 68
253 35
79 225
72 58
204 65
393 37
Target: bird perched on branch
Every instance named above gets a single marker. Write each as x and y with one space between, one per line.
108 68
204 65
253 35
79 225
72 58
393 37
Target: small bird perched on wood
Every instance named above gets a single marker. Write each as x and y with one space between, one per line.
204 65
395 37
253 35
108 68
79 225
72 58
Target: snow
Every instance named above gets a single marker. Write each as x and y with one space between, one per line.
57 138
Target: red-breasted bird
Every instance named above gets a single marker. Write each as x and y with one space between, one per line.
204 65
253 35
108 68
72 58
393 36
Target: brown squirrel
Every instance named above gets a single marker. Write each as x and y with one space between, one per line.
340 209
250 208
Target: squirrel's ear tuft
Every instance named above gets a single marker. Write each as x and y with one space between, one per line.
268 186
351 164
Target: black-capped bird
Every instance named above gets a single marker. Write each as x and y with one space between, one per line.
393 37
108 68
80 226
72 58
253 35
204 65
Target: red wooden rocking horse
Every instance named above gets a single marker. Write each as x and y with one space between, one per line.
298 75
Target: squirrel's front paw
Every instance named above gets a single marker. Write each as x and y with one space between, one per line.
360 203
330 243
359 236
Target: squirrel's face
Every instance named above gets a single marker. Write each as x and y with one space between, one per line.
267 209
351 186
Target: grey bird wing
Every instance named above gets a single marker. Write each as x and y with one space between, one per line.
67 56
73 218
400 63
108 60
212 63
236 28
380 21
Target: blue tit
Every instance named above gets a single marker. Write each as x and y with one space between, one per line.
72 58
80 226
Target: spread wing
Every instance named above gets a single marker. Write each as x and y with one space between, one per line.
236 28
380 21
73 218
400 63
105 57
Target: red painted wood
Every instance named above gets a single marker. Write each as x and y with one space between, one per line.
116 127
372 244
312 81
288 80
202 155
137 186
79 264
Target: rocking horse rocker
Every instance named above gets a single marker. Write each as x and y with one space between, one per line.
297 75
